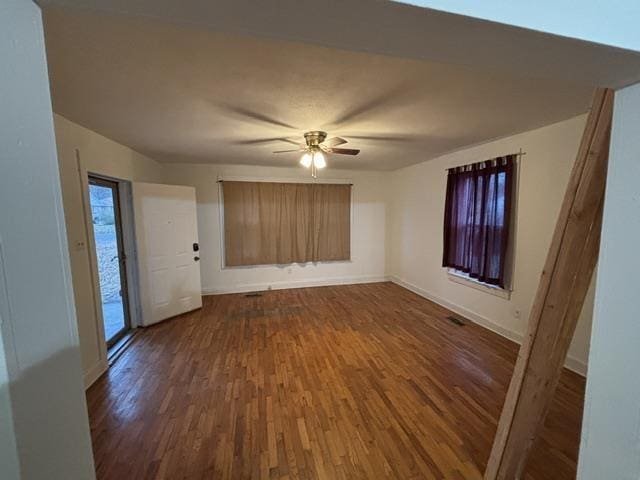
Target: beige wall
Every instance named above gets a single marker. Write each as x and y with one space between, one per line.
102 156
415 213
368 229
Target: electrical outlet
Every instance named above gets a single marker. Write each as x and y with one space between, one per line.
516 314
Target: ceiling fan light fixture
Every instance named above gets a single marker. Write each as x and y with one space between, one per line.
306 160
316 146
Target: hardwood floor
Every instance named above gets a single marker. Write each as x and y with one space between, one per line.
361 381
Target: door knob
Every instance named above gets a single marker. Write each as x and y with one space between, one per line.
196 259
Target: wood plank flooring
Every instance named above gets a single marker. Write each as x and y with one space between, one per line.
360 381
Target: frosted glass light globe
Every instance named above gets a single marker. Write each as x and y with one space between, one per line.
318 160
306 159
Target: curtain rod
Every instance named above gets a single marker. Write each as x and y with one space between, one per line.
297 182
517 154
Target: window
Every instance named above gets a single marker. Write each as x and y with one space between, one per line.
281 223
477 219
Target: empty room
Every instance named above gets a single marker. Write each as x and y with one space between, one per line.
290 240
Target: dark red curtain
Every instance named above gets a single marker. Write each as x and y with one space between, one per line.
476 219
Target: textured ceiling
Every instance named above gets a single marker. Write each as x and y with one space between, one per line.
181 94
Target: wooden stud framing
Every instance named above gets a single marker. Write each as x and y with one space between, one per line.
561 292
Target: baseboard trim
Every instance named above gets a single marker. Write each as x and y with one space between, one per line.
94 373
576 366
316 282
571 363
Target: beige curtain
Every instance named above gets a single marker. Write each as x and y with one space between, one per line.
280 223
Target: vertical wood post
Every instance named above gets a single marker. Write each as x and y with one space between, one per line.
561 292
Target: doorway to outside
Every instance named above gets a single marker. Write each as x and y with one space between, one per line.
104 197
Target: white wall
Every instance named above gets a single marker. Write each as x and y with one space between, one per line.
8 449
611 428
415 229
560 18
102 156
49 437
368 230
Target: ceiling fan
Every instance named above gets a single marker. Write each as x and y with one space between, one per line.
317 144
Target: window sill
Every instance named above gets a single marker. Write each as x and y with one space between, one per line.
462 279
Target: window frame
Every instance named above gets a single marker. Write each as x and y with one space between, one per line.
463 278
221 237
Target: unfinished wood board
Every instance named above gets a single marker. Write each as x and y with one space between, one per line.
563 286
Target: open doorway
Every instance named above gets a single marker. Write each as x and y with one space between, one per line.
104 198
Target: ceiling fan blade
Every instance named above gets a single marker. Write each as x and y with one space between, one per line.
287 151
334 142
344 151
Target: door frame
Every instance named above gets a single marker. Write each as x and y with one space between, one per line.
128 224
123 258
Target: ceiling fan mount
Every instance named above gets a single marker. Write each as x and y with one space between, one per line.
315 138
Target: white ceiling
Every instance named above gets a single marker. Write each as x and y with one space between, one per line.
183 93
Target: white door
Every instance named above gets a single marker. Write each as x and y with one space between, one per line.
166 239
